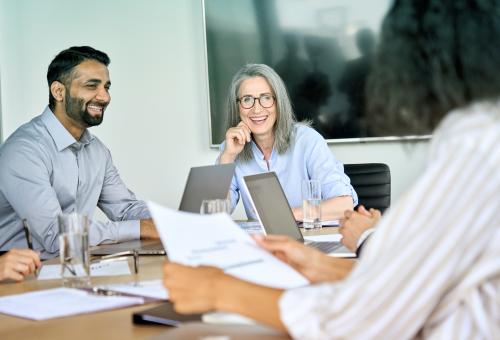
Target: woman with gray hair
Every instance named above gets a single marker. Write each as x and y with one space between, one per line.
263 136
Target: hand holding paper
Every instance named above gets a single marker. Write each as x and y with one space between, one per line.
215 240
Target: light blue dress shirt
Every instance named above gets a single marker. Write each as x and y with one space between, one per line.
44 171
308 157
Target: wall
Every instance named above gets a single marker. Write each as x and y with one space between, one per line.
157 123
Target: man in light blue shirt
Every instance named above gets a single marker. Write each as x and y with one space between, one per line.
54 165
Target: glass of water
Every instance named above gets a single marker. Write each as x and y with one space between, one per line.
74 250
215 206
311 204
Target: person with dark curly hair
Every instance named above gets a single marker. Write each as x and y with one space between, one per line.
432 269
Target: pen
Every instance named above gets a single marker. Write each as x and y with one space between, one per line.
29 240
27 232
103 292
136 258
122 253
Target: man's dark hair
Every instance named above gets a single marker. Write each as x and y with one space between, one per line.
60 69
434 56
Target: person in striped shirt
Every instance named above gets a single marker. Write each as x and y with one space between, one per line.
431 270
357 226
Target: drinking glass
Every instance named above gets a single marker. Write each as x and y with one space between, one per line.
311 204
215 206
74 250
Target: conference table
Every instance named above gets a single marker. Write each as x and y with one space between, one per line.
117 323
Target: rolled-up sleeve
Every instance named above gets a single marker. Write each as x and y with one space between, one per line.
112 232
322 165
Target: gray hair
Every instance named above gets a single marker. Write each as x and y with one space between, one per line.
285 120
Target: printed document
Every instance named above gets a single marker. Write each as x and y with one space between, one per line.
58 302
53 271
215 240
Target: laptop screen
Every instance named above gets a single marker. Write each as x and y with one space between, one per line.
271 205
206 183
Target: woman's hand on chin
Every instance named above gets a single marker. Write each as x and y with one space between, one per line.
236 138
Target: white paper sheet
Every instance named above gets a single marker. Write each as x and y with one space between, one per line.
153 289
53 271
227 318
324 238
215 240
58 302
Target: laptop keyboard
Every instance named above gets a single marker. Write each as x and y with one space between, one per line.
325 247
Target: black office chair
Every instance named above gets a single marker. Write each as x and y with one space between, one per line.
372 182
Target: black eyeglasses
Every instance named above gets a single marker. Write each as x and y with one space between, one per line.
265 100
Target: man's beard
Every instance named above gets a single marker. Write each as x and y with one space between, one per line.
77 110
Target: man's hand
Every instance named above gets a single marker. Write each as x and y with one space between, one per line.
18 263
354 224
313 264
148 230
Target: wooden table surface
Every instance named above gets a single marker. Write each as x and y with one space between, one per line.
116 324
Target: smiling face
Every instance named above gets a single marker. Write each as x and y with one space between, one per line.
260 120
87 97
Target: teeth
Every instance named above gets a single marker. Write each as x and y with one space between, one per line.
95 107
258 118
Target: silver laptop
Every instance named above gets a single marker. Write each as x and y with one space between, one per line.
204 182
272 209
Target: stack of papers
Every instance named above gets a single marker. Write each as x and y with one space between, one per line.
215 240
59 302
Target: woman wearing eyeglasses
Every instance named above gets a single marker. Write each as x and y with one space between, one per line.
264 136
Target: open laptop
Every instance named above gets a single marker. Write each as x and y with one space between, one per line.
274 212
204 182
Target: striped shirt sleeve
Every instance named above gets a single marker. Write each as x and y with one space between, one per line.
434 253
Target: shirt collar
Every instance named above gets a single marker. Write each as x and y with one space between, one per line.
62 138
258 155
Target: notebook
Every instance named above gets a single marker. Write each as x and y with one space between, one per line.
274 212
163 314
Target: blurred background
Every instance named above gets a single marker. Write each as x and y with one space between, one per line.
158 123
